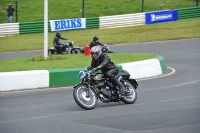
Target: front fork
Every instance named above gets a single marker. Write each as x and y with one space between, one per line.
88 87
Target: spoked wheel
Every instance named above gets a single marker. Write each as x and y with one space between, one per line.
131 98
51 52
81 98
76 51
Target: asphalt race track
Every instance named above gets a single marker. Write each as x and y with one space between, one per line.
169 104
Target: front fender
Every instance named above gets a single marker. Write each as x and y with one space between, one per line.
78 85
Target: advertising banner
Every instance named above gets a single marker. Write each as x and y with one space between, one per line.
161 16
68 24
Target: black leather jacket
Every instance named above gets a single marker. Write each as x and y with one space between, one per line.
93 43
105 62
10 11
56 40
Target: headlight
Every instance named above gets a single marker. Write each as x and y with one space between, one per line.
81 74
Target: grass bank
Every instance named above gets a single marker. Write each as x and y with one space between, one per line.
167 31
61 9
66 61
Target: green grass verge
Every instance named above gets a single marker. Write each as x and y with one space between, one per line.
69 61
29 10
146 33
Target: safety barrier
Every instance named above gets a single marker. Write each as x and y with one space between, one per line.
62 77
66 77
24 80
96 22
32 27
162 16
186 13
122 20
38 27
92 23
9 29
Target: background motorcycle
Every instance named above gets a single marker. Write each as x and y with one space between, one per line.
106 49
71 49
95 86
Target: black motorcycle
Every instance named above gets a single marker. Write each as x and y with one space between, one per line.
106 49
70 49
96 86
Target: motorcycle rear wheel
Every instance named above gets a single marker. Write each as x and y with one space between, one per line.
51 52
133 97
82 100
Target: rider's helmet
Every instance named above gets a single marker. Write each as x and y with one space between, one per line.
95 38
95 52
58 34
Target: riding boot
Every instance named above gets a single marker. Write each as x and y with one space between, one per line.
121 87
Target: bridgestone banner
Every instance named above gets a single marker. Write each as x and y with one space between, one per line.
68 24
161 16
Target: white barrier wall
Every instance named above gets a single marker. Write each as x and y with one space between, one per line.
24 80
41 78
143 69
9 29
121 20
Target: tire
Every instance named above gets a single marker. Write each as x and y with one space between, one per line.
133 97
50 52
76 51
80 98
82 50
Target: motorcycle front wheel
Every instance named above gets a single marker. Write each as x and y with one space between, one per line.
131 98
81 98
76 51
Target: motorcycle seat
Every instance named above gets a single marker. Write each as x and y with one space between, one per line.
122 73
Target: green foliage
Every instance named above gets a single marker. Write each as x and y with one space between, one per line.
64 61
29 10
49 58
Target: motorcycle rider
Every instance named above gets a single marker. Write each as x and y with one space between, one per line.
109 69
95 42
59 45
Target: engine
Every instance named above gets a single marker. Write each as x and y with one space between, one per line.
100 84
105 94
